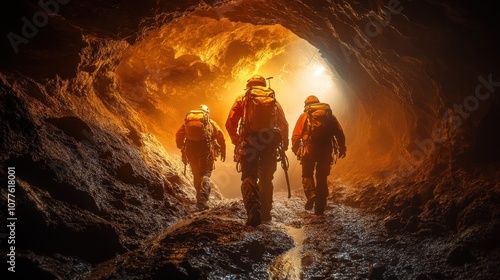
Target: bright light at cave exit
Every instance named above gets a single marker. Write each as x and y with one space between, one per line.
318 70
298 72
174 66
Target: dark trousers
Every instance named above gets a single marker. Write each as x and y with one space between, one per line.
319 158
202 163
257 171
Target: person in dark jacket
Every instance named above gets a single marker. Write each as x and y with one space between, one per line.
314 137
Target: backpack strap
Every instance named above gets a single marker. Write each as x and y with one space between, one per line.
276 127
244 102
206 125
308 111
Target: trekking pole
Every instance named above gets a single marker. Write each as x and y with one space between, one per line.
284 164
335 152
269 80
184 158
285 169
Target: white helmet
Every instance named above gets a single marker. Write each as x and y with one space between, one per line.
205 108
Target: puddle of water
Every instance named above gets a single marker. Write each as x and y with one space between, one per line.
289 265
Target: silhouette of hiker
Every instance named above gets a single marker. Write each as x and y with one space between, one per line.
201 140
256 138
315 136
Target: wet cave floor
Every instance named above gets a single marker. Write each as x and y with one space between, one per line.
344 243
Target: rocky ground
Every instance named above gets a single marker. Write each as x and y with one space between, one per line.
345 243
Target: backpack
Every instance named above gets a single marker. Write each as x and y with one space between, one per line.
260 111
197 126
319 120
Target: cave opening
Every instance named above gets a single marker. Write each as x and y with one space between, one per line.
91 92
201 60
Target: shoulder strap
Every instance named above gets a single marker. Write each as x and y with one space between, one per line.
244 102
208 127
244 116
308 119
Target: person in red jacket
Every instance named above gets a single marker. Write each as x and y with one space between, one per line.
256 138
201 140
315 135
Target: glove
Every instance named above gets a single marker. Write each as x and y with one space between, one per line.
342 152
223 155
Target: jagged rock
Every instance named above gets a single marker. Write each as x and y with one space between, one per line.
207 241
425 232
377 271
459 256
135 137
413 224
410 212
126 174
74 127
391 241
478 222
393 224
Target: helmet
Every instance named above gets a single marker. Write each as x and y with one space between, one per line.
205 108
311 99
256 80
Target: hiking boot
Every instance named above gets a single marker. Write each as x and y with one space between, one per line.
201 206
310 202
319 205
266 217
254 218
319 208
318 211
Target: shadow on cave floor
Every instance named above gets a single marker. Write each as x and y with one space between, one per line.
345 243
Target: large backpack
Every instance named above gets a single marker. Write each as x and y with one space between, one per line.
260 111
197 126
319 120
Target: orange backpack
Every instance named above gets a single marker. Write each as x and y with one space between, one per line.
319 120
197 126
260 111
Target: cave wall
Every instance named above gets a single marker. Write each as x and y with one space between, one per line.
64 118
91 181
428 72
407 63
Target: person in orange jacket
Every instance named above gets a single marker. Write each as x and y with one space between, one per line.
201 140
314 137
262 129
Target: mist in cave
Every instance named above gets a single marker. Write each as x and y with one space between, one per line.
172 72
93 92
